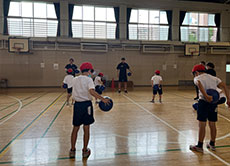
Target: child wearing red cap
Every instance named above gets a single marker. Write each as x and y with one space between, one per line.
98 83
68 81
206 109
156 82
83 90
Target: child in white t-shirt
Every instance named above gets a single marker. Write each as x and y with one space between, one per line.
83 90
156 82
68 81
207 110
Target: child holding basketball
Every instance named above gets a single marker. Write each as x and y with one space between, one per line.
156 82
98 83
68 81
83 90
206 109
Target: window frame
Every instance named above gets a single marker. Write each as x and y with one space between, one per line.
33 19
94 21
198 27
137 24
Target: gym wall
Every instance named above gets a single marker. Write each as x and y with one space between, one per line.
25 70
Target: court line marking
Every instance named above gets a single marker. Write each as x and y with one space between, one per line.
116 154
19 108
47 129
6 147
17 102
219 138
167 124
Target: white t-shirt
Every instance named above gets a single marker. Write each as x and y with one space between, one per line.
68 80
220 92
81 86
97 80
208 82
156 79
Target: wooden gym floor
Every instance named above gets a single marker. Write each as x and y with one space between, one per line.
35 128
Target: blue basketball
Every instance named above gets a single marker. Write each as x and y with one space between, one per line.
102 88
129 74
195 106
215 95
98 90
77 71
106 107
65 86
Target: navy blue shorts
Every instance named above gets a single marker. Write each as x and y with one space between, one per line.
206 111
123 78
157 89
69 90
83 113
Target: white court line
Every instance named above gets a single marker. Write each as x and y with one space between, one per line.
19 108
170 126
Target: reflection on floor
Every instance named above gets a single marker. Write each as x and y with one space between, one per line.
35 128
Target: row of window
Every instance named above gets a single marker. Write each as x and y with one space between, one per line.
34 19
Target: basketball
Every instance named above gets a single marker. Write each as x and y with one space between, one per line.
102 88
77 71
65 86
215 95
98 89
106 107
195 106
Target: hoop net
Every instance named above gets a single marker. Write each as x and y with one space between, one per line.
17 49
193 53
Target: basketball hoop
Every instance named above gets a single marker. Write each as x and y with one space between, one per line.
17 49
194 53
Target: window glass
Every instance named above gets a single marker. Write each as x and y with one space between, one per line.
40 10
88 13
100 14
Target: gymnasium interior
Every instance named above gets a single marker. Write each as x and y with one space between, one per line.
37 39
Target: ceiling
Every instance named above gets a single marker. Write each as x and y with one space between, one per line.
211 1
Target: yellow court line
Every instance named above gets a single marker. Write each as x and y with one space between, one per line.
32 124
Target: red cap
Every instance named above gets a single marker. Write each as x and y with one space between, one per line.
198 68
157 72
69 70
101 74
86 65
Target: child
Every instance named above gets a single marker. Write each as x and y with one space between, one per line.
156 81
206 110
98 83
83 90
68 80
